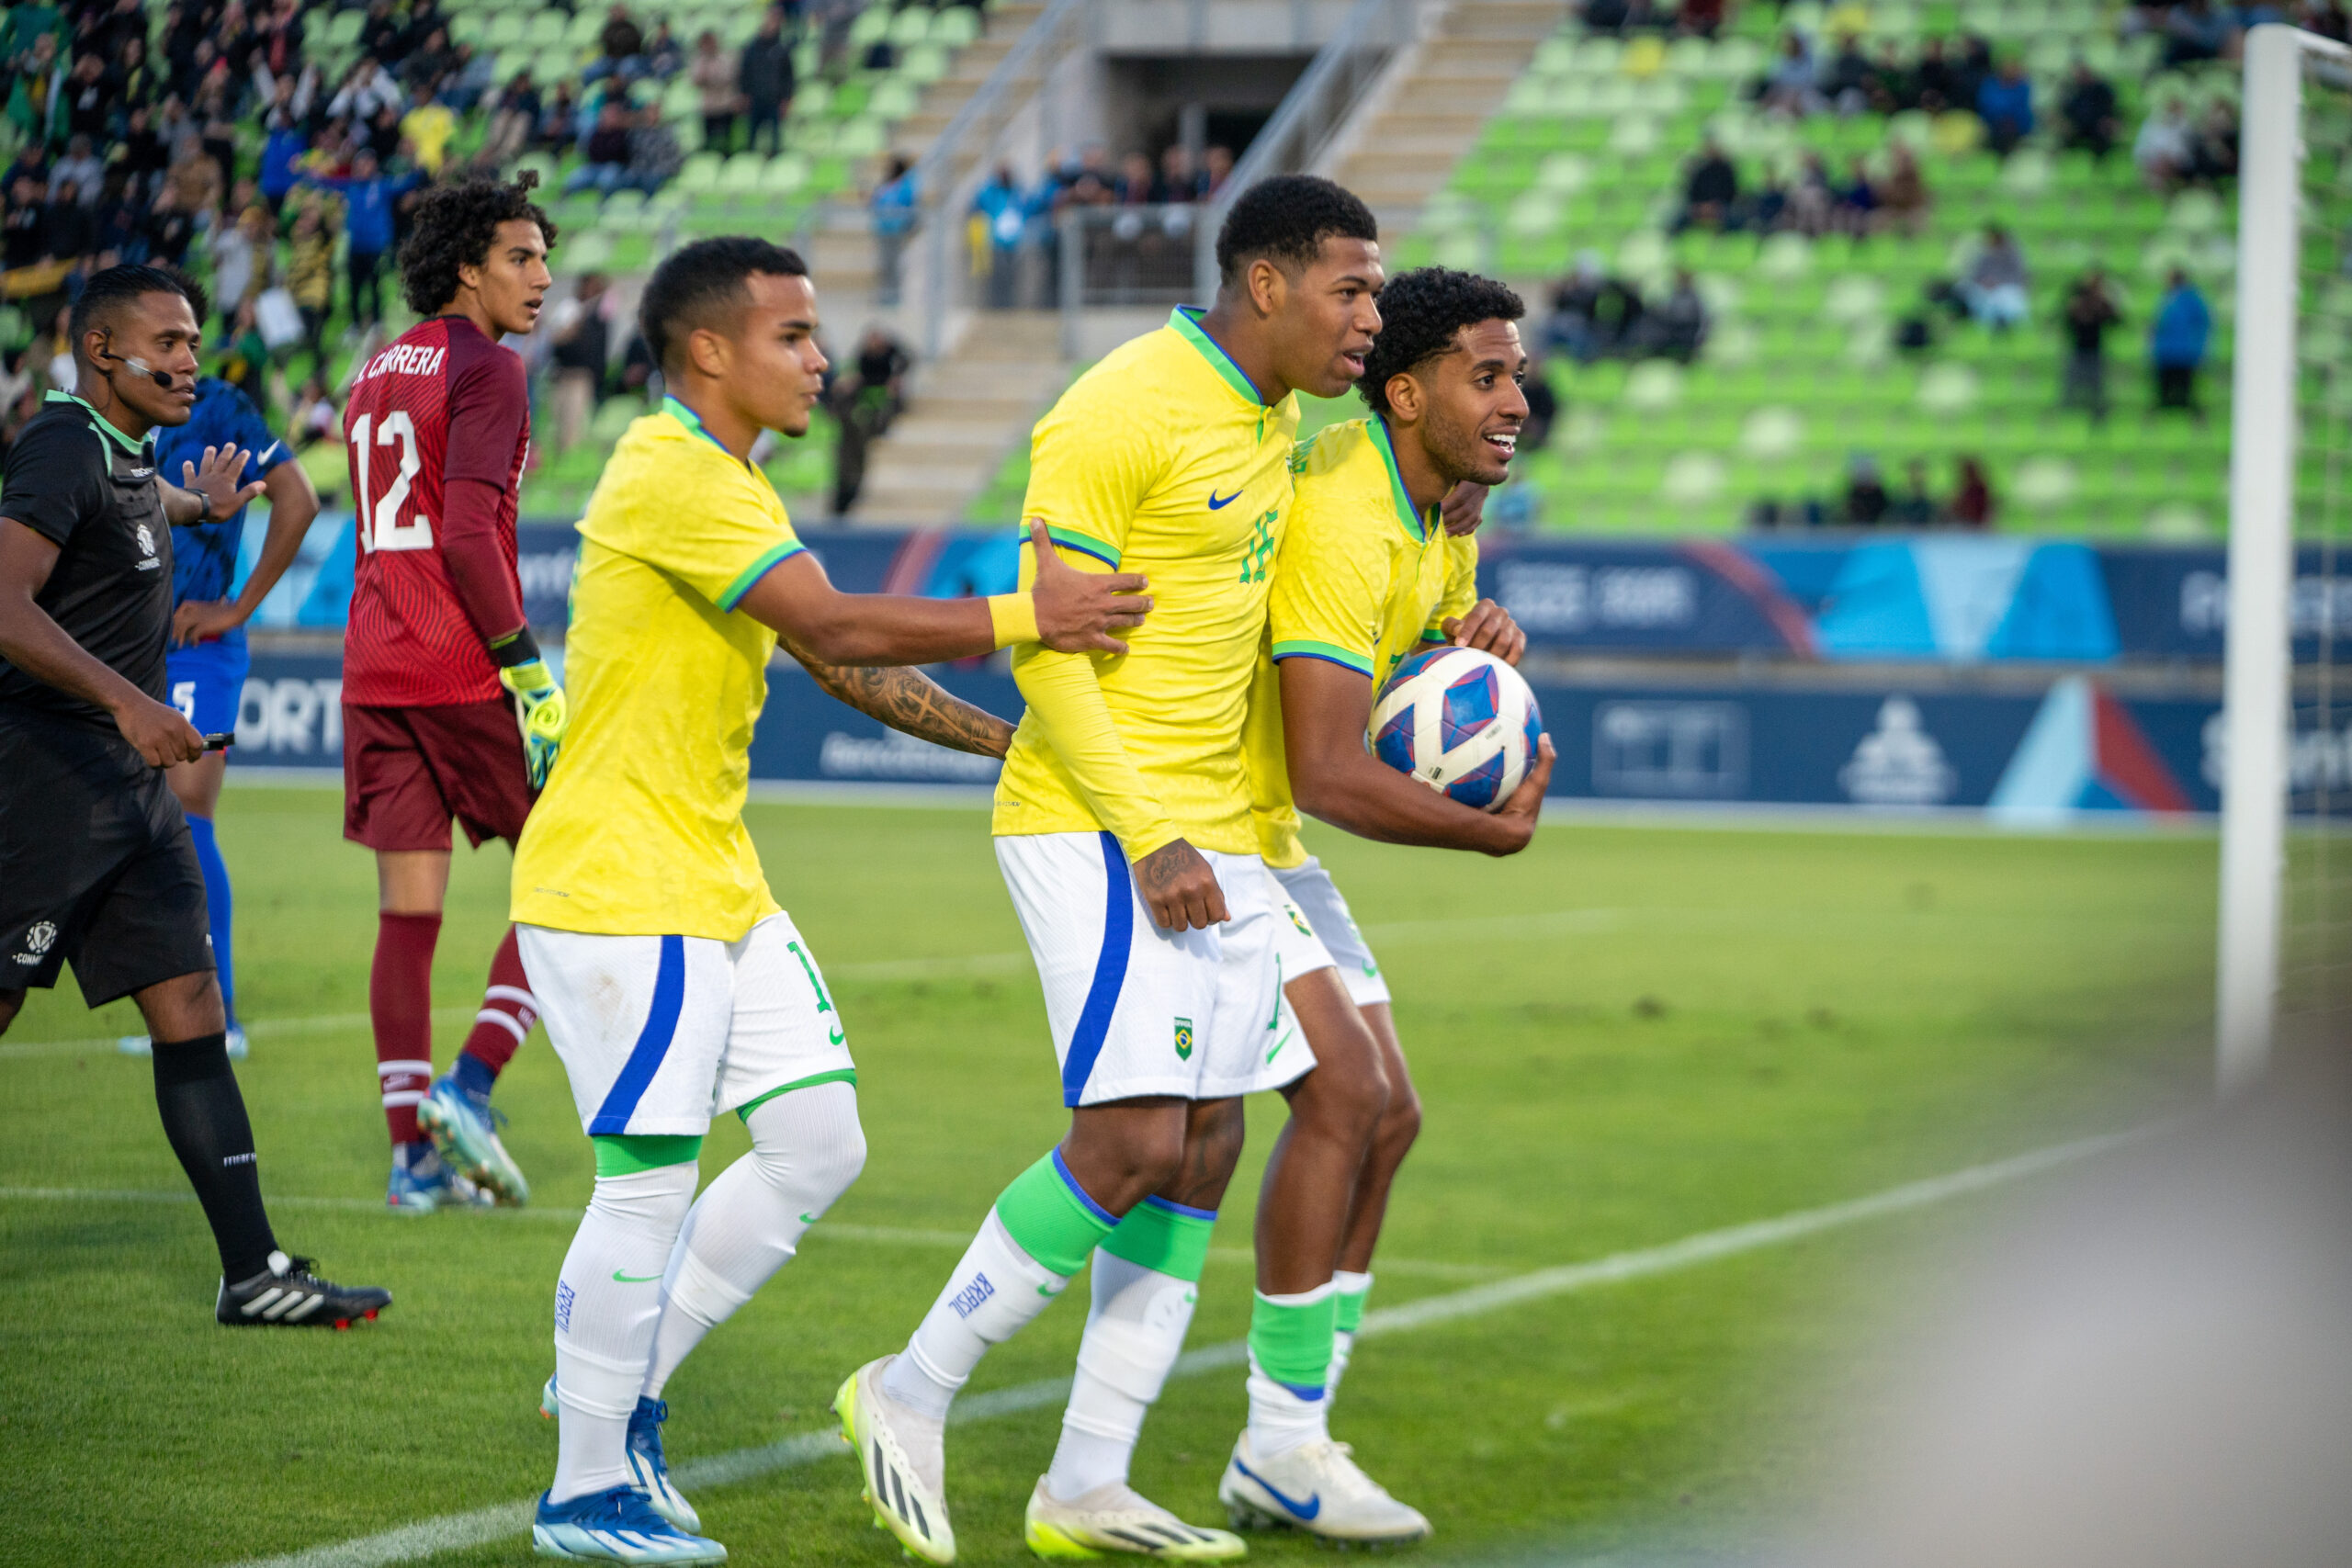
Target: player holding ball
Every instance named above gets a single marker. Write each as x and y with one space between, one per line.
1368 578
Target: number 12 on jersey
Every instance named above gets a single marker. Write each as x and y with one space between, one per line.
380 528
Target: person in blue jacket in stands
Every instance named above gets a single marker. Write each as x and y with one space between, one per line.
369 195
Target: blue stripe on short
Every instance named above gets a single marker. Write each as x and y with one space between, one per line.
652 1043
1110 972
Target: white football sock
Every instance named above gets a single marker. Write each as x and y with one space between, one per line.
1345 1284
996 1291
603 1323
1134 1334
807 1149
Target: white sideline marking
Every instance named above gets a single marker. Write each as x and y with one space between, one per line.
884 1235
455 1532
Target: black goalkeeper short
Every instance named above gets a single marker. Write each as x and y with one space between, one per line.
97 868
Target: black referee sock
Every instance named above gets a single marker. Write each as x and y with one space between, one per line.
204 1116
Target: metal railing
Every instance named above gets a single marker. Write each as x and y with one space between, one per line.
1317 104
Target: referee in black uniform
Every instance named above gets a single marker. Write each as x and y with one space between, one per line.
96 866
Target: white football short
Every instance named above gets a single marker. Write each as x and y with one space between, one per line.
1137 1010
1310 888
660 1033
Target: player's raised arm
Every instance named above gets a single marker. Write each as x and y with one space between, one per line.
913 704
1067 611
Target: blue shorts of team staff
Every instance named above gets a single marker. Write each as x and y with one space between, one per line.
206 683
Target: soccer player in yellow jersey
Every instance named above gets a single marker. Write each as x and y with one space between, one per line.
671 984
1124 831
1367 576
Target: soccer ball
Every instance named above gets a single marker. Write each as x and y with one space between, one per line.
1461 721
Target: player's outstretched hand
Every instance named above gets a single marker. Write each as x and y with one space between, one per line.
1526 803
204 620
1078 611
158 732
1180 889
215 479
1489 628
1464 508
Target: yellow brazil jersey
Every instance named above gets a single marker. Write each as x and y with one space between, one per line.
641 829
1163 459
1362 581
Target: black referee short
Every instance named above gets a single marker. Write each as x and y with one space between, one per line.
97 868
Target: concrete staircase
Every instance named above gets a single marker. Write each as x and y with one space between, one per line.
964 412
1429 113
842 259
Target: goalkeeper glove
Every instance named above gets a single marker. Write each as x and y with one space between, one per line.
540 707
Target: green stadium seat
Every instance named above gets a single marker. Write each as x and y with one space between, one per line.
586 29
544 28
784 173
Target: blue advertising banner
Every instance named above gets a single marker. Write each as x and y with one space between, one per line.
2075 747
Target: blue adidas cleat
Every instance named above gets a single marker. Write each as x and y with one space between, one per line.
422 1182
466 1132
650 1472
617 1525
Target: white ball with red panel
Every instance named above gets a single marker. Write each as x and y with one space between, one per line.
1463 722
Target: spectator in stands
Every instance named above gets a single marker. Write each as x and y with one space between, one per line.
1572 329
1891 87
1179 176
1138 182
20 229
83 167
1710 189
893 204
2325 17
464 88
621 49
310 277
2163 150
580 348
1936 83
2177 344
69 228
1995 288
654 156
365 94
2194 30
1699 19
1217 165
865 398
1973 67
713 71
2005 103
1866 501
1915 508
428 63
1003 215
170 230
1812 201
1791 87
1603 15
2089 112
606 167
1617 317
1677 328
1543 404
514 116
1972 503
2214 148
664 56
1859 209
1845 80
558 118
2090 313
241 255
1903 198
368 196
765 76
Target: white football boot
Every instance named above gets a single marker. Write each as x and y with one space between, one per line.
901 1456
1316 1487
1117 1518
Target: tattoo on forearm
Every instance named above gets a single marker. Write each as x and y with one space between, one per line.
909 701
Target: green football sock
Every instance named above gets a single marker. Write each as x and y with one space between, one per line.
1290 1338
1165 1237
1049 1214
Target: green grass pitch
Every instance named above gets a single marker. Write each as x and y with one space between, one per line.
1622 1037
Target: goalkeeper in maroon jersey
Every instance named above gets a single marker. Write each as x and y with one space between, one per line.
438 661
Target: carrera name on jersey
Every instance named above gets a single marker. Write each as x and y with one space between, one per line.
441 402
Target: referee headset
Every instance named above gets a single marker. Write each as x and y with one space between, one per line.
166 379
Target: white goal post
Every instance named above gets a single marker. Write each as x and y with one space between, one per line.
2264 439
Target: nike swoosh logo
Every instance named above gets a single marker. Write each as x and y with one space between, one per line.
808 1219
1048 1291
1280 1044
1216 506
838 1036
1305 1510
636 1279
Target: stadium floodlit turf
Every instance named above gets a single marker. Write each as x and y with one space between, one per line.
1623 1037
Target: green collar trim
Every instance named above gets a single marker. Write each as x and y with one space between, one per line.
136 449
1185 319
691 420
1415 525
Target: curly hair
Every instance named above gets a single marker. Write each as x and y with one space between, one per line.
455 226
1422 314
1285 220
